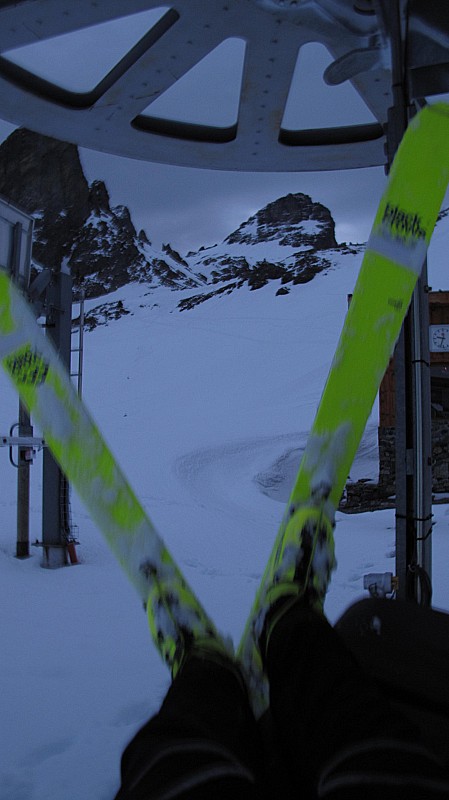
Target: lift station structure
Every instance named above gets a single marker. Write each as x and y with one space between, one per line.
50 294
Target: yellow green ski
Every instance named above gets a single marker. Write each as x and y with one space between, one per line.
392 263
43 383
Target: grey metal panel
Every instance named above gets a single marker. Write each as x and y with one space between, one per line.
16 236
110 117
428 47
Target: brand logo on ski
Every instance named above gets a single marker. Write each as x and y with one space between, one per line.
397 303
27 367
403 223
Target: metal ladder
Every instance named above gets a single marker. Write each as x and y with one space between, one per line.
78 371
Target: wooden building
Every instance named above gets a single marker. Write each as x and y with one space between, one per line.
439 372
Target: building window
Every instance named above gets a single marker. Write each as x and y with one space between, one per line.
440 391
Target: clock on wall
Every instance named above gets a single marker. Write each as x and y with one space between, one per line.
439 338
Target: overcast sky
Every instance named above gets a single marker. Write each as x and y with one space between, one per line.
189 208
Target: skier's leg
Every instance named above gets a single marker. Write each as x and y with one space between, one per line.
203 743
333 723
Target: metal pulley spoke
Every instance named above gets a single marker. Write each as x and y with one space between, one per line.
121 112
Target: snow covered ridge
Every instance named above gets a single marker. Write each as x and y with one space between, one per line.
289 241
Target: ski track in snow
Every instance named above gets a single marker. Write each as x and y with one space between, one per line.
216 473
237 491
270 463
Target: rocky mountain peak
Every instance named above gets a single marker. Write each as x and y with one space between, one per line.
294 221
45 178
99 197
287 242
166 248
74 221
35 167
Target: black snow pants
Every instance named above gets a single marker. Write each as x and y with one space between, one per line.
329 733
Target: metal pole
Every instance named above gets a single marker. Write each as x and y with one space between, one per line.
422 520
23 487
412 371
414 453
59 322
81 344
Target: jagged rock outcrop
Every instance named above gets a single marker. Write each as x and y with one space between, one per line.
45 178
106 251
293 221
289 241
74 222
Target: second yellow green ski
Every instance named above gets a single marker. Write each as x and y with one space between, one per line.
391 266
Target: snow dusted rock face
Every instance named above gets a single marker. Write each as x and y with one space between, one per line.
289 241
45 178
74 222
104 252
293 221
